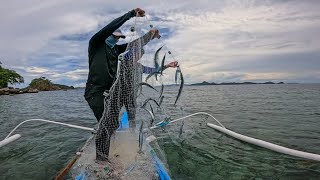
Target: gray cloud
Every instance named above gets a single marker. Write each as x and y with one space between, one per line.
232 40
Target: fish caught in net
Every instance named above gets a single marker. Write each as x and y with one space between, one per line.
135 153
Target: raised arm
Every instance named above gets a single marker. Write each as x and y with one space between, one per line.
143 40
135 47
107 31
150 70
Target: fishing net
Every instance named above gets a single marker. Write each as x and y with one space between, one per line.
151 101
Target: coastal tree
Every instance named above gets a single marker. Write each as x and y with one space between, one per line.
8 76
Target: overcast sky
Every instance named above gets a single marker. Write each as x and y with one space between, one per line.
215 41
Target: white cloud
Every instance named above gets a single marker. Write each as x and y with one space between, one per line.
78 74
36 70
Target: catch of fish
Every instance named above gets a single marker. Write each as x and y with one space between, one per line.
161 69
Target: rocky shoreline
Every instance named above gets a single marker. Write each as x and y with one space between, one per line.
12 91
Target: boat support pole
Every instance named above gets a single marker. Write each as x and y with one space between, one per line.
10 138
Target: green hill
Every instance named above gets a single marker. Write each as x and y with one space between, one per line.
43 84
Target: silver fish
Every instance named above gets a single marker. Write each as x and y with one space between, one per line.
160 101
177 74
148 85
152 116
162 64
140 137
147 100
151 108
152 74
156 57
181 87
156 60
161 90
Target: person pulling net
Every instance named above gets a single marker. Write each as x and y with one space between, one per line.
112 85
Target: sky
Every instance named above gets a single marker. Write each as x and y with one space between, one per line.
214 41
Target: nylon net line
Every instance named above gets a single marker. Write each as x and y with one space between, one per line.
149 100
123 93
130 158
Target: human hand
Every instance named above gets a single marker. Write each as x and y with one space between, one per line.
173 64
155 33
139 12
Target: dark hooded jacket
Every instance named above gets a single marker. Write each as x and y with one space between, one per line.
103 60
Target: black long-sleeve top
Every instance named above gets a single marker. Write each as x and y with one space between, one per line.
103 60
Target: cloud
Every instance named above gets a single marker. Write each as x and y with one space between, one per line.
36 70
78 74
234 40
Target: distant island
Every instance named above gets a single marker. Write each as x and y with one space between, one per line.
36 85
11 77
205 83
43 84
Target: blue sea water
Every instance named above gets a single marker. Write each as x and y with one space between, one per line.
287 115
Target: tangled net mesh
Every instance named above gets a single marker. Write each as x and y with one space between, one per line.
132 153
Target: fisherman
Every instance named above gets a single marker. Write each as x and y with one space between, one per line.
103 60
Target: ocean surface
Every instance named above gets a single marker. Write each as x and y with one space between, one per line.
287 115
